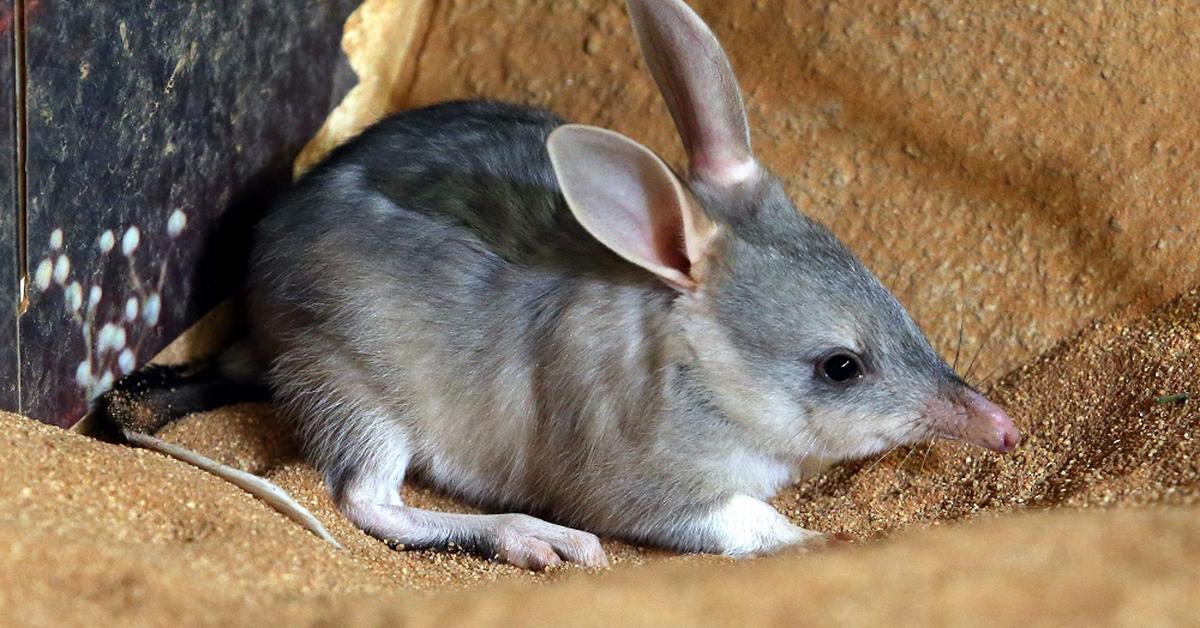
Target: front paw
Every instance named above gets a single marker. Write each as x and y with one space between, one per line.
744 527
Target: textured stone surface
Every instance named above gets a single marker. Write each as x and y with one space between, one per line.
1026 167
168 118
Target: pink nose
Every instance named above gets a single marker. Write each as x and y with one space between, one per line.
968 415
987 424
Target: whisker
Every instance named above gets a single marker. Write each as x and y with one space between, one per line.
961 309
928 448
925 433
982 346
983 383
916 421
880 458
905 459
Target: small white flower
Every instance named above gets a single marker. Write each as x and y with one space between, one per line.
83 374
56 239
107 241
129 241
126 362
110 338
94 296
41 276
74 296
62 269
131 309
176 223
104 339
151 307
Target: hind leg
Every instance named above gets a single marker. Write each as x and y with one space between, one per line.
364 452
371 499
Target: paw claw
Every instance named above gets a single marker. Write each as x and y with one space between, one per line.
535 544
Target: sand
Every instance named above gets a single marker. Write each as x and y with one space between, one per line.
1094 518
1023 173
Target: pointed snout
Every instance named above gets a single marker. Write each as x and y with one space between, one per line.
971 417
988 425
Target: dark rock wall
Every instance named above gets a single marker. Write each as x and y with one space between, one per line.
156 133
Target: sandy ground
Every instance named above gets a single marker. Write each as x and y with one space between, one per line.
1100 505
1027 170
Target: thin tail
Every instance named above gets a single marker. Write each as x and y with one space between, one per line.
143 402
261 488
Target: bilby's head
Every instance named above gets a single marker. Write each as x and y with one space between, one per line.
795 338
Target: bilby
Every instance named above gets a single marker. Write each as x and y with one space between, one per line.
545 319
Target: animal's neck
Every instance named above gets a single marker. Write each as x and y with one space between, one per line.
704 424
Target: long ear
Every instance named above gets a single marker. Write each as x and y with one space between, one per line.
630 201
695 78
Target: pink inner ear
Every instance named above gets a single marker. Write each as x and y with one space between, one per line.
629 202
668 234
626 197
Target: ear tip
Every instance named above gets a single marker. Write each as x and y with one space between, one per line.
574 146
578 138
665 12
557 135
565 140
571 132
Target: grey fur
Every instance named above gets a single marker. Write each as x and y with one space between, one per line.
428 304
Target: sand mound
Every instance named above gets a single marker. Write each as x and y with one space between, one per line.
95 532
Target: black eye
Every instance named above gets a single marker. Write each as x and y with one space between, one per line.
841 367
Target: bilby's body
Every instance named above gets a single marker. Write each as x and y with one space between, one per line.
545 319
538 370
